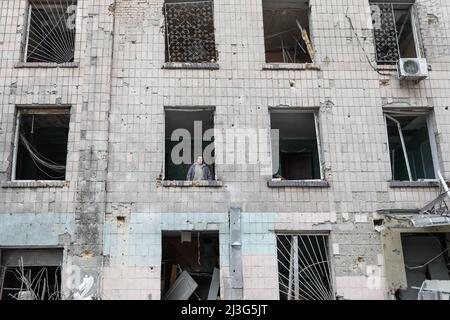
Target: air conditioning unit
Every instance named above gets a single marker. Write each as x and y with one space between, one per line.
412 68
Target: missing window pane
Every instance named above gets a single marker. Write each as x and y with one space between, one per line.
30 274
42 146
299 156
414 155
190 266
50 31
287 32
189 135
395 32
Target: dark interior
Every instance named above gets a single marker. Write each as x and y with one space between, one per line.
417 142
46 282
283 37
198 257
186 120
425 259
47 135
298 154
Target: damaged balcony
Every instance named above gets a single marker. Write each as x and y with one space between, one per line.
287 35
190 266
190 34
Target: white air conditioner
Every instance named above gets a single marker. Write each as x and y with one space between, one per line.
412 68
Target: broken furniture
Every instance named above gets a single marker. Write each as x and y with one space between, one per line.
190 266
182 288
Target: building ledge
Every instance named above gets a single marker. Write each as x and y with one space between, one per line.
35 184
46 65
291 66
191 184
298 184
414 184
190 65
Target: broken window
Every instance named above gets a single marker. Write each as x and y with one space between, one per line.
190 31
190 266
304 267
396 32
287 31
298 157
189 134
427 258
30 274
411 146
50 32
40 149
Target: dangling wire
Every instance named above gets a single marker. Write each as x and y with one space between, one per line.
37 157
32 125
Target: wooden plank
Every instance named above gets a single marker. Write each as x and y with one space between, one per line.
215 285
173 275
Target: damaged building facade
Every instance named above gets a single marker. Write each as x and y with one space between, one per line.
346 201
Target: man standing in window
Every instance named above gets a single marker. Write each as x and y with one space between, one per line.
199 171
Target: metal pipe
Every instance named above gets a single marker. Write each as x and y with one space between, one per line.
15 147
444 184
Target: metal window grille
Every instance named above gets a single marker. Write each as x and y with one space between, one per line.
304 267
190 32
51 31
389 29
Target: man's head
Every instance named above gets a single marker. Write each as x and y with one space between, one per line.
199 160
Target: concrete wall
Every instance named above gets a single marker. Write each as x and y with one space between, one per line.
116 143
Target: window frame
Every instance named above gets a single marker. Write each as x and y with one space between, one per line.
316 114
26 36
66 109
184 183
418 43
53 250
329 245
168 64
431 129
280 65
